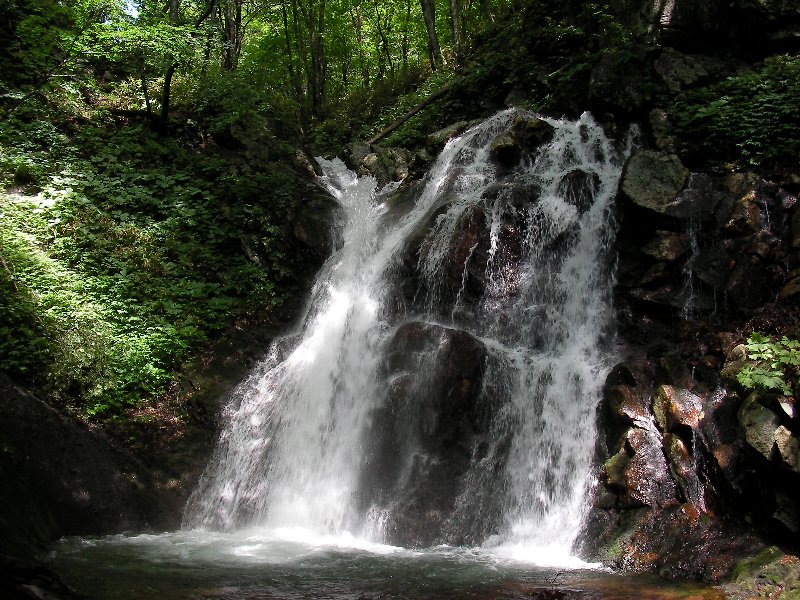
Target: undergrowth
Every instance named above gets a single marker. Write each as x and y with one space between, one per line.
747 120
124 252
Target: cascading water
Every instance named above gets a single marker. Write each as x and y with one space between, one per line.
505 253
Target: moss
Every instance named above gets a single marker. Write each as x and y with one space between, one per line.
751 566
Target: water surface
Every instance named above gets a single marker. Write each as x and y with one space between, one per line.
293 564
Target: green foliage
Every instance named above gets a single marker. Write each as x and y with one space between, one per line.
750 119
131 256
775 367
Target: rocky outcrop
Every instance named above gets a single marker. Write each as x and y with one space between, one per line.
692 23
704 460
437 414
653 180
384 164
717 246
59 478
697 473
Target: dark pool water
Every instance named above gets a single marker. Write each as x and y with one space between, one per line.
258 565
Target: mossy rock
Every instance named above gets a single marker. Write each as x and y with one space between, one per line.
769 574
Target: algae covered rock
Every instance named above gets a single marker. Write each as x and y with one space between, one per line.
653 179
759 424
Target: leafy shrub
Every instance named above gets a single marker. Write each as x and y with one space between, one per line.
775 364
130 258
752 116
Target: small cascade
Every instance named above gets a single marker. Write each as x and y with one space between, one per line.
442 385
689 293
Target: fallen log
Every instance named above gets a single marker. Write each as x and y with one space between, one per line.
429 100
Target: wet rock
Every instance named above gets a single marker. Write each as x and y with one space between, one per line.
662 130
579 187
659 273
699 200
682 466
437 140
675 408
788 447
626 395
506 150
532 131
653 180
712 266
385 164
759 424
315 223
667 245
791 290
58 478
746 283
355 153
614 470
422 442
666 297
671 367
647 477
746 214
526 133
676 542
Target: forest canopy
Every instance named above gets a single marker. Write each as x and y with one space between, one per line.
309 51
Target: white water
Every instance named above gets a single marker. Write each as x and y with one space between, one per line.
293 445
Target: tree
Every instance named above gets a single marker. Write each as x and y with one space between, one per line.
233 32
434 50
455 26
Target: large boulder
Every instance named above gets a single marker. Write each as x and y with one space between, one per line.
60 478
653 180
435 421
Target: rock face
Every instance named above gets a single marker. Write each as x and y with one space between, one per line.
696 472
717 246
653 180
58 478
437 411
384 164
698 23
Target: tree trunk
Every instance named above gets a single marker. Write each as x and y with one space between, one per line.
434 50
174 17
358 21
441 93
146 91
454 28
384 51
405 44
165 98
315 19
293 78
233 33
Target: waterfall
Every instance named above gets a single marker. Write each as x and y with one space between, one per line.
477 304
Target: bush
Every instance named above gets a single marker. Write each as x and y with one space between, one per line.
752 117
130 258
775 365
